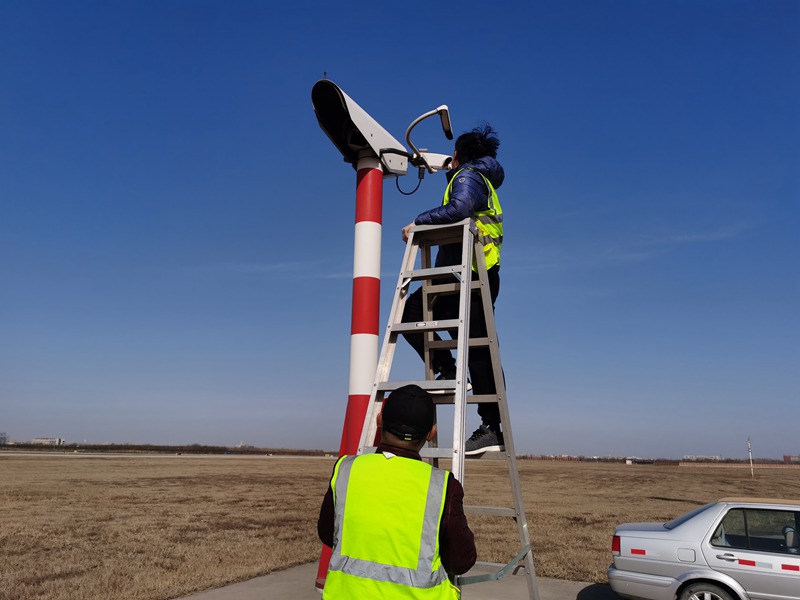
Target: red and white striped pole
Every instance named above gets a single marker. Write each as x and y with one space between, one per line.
366 311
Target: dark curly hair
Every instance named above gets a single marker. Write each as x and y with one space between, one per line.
481 141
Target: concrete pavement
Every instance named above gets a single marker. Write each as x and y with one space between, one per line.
298 584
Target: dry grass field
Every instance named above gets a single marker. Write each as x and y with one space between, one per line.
160 527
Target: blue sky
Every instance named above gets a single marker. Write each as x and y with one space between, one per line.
176 231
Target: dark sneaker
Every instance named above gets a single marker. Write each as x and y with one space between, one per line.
445 375
484 439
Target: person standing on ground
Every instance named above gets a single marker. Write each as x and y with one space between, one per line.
395 523
473 180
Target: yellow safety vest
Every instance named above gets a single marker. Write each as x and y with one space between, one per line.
489 222
387 513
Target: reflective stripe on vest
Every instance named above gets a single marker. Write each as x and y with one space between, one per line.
423 576
489 222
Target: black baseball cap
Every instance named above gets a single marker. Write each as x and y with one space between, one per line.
409 413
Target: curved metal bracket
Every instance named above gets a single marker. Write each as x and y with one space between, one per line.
427 160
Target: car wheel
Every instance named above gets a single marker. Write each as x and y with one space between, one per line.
705 591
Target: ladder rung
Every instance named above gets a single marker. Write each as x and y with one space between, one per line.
431 273
439 289
448 386
451 344
491 511
436 453
436 238
443 344
448 453
490 455
428 452
421 326
482 398
448 397
443 227
444 233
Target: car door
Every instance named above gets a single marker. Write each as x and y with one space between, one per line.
749 544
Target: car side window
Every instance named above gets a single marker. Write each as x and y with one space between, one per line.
761 530
731 532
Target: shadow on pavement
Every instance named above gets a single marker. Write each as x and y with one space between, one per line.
598 591
297 583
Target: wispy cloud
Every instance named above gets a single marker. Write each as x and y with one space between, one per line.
682 239
624 249
318 268
572 254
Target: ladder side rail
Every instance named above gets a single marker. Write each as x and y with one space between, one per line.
462 348
428 288
369 429
428 236
426 262
505 419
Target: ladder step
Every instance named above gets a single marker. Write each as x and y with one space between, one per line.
453 344
424 453
445 233
482 398
436 453
442 288
430 273
490 455
490 511
428 452
421 326
439 289
446 389
448 386
448 453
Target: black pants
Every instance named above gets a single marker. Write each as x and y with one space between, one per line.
480 360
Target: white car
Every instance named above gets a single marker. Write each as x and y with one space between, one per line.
732 549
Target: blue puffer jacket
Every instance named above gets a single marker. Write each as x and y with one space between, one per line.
469 193
468 196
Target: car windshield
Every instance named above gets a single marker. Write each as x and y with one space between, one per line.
683 518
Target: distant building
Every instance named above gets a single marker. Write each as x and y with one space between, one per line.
786 458
697 458
3 438
48 441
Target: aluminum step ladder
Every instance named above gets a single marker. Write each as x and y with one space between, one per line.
435 282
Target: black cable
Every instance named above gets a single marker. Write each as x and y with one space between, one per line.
397 183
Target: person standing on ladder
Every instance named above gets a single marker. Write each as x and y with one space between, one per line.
471 191
395 523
